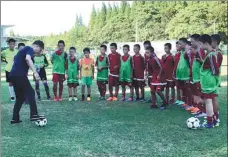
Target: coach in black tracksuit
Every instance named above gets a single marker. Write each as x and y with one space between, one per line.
21 84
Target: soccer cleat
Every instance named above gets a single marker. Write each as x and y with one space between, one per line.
88 98
142 100
196 113
114 98
177 102
36 117
180 103
206 125
70 99
184 106
60 99
137 99
162 107
15 121
190 108
75 99
200 115
153 106
148 101
216 122
122 99
130 99
12 99
195 110
48 97
56 99
110 99
102 98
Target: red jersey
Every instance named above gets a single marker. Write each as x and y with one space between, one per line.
114 61
168 61
213 63
139 67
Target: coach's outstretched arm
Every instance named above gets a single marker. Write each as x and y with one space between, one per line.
32 67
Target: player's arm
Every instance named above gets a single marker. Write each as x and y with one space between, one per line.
80 68
29 61
92 69
3 56
159 62
66 69
132 66
45 61
214 65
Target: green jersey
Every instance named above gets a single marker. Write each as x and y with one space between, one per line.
72 70
59 63
126 70
103 74
183 69
40 61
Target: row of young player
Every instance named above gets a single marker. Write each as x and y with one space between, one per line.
195 69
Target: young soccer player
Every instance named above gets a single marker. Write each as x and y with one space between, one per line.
145 45
114 69
168 60
126 73
138 73
40 62
22 62
198 56
183 71
178 83
59 60
209 79
72 74
215 41
102 71
158 79
86 73
8 56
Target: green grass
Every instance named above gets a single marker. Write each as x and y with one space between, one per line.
101 129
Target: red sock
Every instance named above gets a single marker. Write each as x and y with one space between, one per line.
103 89
55 89
209 120
60 89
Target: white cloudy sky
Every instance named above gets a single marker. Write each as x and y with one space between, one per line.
43 18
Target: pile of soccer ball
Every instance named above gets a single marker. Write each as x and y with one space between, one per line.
193 123
41 122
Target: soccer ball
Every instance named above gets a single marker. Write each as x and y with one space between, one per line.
41 122
193 123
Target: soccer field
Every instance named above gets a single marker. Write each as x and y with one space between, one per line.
101 128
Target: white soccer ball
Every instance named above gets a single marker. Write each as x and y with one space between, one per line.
41 122
193 123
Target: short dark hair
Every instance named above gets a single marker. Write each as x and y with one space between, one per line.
150 48
184 40
86 50
177 42
189 43
61 41
147 42
205 38
127 46
169 45
216 37
137 45
73 48
20 44
103 46
11 40
195 37
114 44
39 43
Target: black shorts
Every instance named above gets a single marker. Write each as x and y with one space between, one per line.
42 74
7 76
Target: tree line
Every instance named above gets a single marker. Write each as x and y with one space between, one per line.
144 20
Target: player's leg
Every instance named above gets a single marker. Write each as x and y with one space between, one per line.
123 85
172 86
116 82
46 87
99 85
210 113
20 97
61 80
89 81
55 86
136 87
110 87
70 91
216 111
131 92
83 92
141 86
153 96
167 91
11 89
75 91
159 91
104 88
37 88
